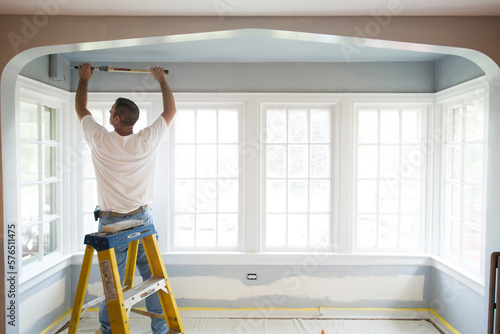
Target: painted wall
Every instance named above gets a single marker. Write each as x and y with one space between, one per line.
41 305
285 286
455 302
65 34
380 77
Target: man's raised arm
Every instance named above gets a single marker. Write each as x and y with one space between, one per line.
84 73
169 108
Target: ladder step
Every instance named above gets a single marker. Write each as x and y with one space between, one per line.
174 331
143 290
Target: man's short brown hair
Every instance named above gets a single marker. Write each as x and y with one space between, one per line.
127 110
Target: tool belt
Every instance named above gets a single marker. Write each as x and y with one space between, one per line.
98 213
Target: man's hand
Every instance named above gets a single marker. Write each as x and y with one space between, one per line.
159 74
85 72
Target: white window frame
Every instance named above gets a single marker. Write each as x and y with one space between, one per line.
459 95
423 102
221 104
303 101
38 93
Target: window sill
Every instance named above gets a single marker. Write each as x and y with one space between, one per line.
37 272
471 280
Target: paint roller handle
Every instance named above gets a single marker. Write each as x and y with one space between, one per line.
117 69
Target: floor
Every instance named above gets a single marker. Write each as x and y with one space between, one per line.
140 325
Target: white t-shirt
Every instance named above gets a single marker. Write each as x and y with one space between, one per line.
124 166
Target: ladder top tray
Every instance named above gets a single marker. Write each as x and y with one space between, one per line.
102 240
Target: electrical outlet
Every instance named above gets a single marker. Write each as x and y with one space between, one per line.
251 277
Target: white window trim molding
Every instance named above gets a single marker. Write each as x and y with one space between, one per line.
46 94
474 89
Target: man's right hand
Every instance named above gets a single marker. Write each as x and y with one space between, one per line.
85 72
159 74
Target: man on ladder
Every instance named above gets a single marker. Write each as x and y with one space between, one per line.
125 165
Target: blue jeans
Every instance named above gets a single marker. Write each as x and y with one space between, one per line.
158 326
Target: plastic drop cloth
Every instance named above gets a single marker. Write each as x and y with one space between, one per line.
304 326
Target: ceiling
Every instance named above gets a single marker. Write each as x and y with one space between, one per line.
256 7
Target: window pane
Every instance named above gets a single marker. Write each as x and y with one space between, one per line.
388 231
50 159
320 196
368 126
88 166
228 126
142 122
320 161
453 163
30 205
49 123
389 197
228 196
319 230
206 196
410 231
50 199
367 229
474 121
184 126
89 224
452 238
412 161
206 161
298 157
297 230
29 162
184 196
410 196
206 126
297 126
205 230
185 161
276 196
29 120
276 126
228 161
276 230
473 163
49 237
276 161
227 230
367 161
472 205
411 126
367 196
389 125
184 230
297 195
452 201
320 129
389 161
454 124
30 242
89 195
472 246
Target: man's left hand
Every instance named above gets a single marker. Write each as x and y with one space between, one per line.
85 71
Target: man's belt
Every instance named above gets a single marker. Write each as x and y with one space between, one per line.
99 213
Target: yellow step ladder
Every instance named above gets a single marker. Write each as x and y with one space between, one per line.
120 300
